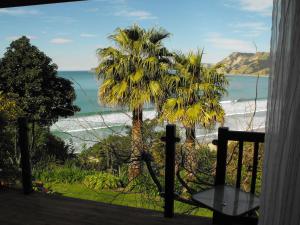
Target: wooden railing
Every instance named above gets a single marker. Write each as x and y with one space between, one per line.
225 135
170 140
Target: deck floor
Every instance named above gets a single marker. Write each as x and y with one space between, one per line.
42 209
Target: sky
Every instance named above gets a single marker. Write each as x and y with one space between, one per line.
70 33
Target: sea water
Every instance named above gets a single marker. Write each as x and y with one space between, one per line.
96 121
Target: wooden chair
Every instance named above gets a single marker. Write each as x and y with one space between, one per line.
230 204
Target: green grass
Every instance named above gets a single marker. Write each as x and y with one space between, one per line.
119 198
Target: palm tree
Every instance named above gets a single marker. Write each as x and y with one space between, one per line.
131 72
197 91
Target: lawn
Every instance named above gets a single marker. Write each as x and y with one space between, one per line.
80 191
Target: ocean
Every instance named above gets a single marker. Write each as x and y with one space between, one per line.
96 121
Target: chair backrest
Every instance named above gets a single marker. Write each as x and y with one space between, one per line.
225 135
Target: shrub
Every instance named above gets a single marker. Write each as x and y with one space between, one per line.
247 166
101 181
143 184
62 174
47 145
109 154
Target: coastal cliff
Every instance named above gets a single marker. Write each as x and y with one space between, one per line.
247 63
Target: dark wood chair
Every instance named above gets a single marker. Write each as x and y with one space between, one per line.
230 204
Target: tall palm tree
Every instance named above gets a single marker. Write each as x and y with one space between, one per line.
132 71
197 91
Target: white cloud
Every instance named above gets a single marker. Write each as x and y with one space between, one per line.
92 10
86 35
71 61
138 14
60 41
263 7
13 38
234 45
121 8
19 12
256 5
250 29
252 25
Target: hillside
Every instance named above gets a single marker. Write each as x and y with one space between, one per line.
247 63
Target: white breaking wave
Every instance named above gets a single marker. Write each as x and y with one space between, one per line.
114 119
95 122
243 107
229 101
90 129
234 114
87 129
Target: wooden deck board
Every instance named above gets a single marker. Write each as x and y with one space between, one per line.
41 209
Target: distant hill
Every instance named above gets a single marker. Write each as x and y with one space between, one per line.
247 63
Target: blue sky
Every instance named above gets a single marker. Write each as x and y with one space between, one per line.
70 33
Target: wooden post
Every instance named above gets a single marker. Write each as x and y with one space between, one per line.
170 140
221 168
25 156
221 156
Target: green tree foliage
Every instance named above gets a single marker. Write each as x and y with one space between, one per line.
31 75
8 108
112 154
38 93
197 91
8 112
49 148
109 154
132 71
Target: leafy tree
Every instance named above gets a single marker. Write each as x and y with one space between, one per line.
50 148
197 91
32 76
8 112
132 71
108 154
8 108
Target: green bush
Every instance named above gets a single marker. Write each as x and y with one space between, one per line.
110 153
144 184
101 181
48 145
62 174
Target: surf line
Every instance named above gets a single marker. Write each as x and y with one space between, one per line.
245 113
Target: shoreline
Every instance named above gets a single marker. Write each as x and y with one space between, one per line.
88 130
248 75
115 119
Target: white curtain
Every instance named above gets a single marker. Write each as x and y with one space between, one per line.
280 199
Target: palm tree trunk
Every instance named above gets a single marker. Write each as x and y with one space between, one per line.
190 135
135 167
159 106
190 151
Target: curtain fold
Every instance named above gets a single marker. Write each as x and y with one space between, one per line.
280 198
